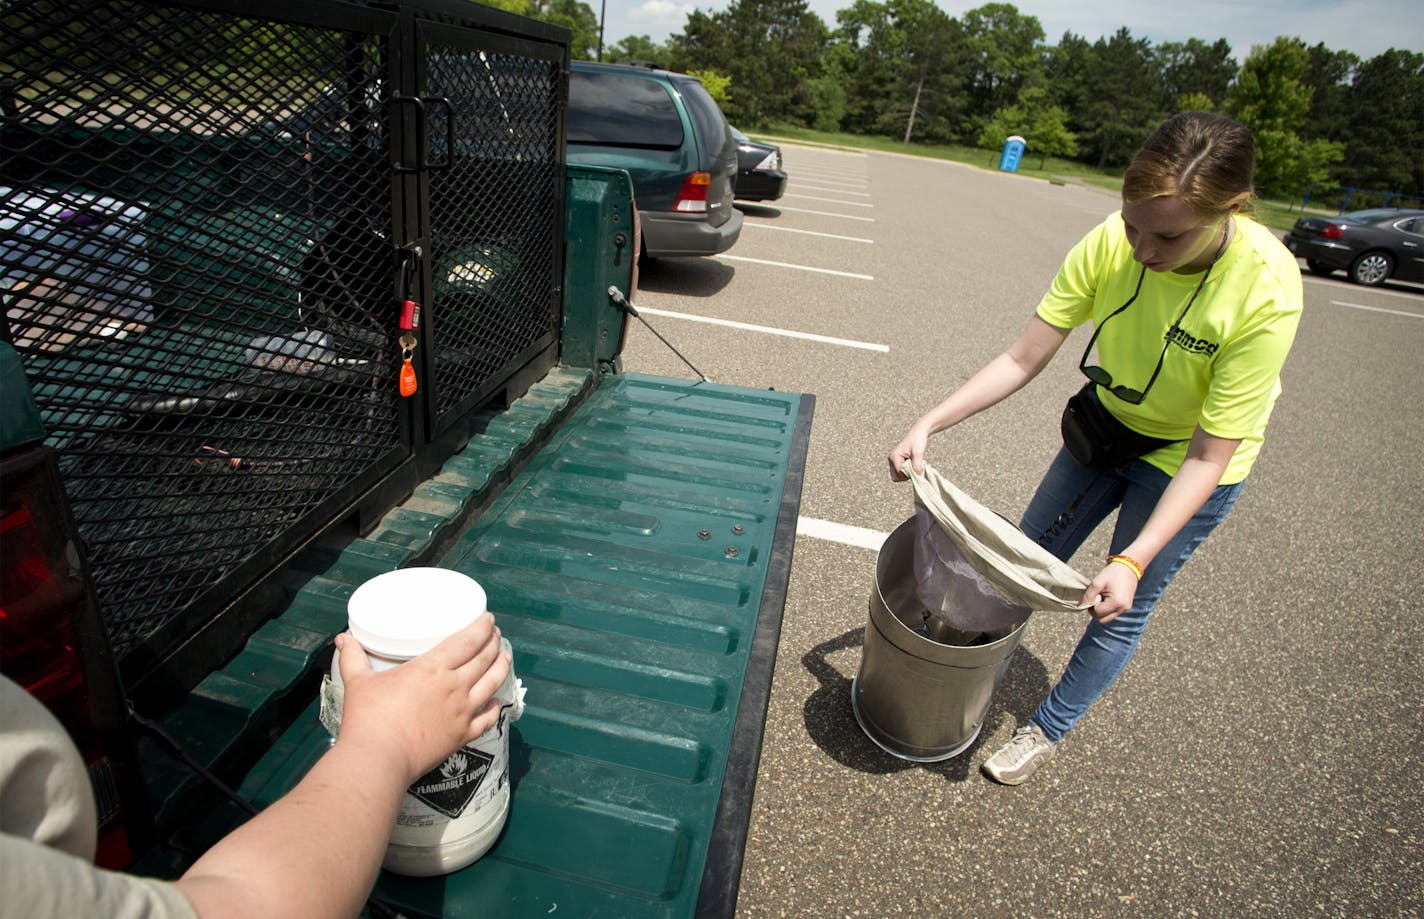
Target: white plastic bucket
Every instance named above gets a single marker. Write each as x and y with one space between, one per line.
453 814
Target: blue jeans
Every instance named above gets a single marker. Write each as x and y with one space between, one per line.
1069 504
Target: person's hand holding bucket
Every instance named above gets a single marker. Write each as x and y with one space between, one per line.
428 665
436 702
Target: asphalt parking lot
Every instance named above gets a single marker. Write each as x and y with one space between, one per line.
1264 753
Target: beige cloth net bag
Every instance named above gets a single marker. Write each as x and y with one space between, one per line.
976 570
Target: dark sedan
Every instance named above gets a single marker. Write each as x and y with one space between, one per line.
759 173
1372 246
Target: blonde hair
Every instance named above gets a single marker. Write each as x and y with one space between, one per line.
1208 160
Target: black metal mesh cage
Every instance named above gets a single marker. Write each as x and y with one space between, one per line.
197 272
201 265
495 190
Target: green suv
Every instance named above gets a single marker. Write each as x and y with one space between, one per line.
665 130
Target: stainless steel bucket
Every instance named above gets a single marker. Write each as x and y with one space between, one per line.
917 698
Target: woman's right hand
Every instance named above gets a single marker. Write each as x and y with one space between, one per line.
911 449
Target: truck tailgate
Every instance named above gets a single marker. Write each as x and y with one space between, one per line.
638 564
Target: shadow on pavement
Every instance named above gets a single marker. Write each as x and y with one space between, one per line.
691 277
831 723
765 211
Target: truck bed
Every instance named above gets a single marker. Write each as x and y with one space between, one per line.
638 564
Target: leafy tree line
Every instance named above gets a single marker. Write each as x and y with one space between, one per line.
907 70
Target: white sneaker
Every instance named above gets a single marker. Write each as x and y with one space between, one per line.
1020 758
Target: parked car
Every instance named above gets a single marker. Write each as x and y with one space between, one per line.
1372 245
760 176
669 135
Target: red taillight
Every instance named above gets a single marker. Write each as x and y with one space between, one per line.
692 199
44 605
1333 231
38 649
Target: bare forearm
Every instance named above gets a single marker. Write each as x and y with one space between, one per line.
316 851
313 853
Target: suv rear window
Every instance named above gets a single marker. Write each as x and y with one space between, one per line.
608 108
711 126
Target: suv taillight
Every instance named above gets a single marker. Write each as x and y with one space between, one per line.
44 604
36 640
692 199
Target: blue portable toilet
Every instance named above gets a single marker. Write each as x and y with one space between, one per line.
1013 152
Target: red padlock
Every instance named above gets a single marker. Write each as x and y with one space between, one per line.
410 315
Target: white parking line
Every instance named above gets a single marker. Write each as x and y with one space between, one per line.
812 146
766 226
842 191
748 327
832 200
762 261
1409 293
802 210
840 532
816 183
1376 309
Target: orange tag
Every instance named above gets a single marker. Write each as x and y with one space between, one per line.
407 379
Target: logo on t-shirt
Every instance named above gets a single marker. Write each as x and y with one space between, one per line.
1182 339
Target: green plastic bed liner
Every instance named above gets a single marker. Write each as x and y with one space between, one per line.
638 564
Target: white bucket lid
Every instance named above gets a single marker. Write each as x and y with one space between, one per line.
404 613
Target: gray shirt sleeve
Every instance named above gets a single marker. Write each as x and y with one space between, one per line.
44 883
45 794
48 828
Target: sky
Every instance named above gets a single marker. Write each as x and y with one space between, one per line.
1366 27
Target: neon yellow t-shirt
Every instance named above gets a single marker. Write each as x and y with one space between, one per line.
1222 369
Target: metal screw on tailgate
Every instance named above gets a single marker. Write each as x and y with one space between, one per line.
704 534
738 529
732 552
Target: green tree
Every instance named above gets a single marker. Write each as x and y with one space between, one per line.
903 64
639 48
1065 72
827 102
1196 102
1119 98
1004 49
1037 120
771 49
717 86
869 53
1197 69
1385 147
829 98
1329 75
576 16
1272 99
936 51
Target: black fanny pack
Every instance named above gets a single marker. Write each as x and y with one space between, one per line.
1095 437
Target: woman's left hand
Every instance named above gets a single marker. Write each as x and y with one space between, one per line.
1111 592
